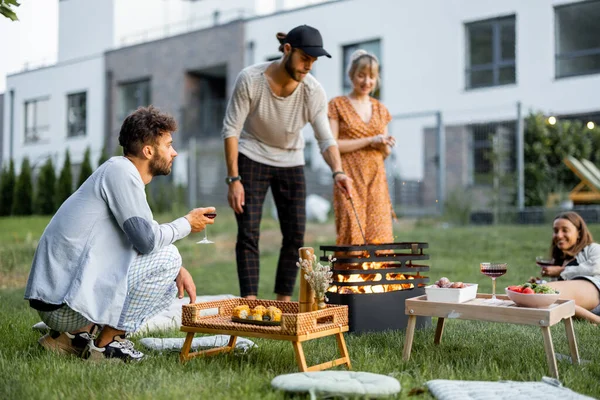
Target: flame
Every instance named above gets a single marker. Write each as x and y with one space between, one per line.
357 278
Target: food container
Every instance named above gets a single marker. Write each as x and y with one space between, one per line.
451 295
533 300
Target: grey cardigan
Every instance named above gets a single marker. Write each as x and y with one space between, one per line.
589 263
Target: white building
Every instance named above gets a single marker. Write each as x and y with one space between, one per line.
58 107
63 106
470 60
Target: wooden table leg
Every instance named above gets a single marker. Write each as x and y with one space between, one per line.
439 330
572 341
549 347
187 345
410 333
343 349
231 343
300 356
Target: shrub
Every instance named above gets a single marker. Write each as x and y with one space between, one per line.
23 195
46 190
64 187
86 168
103 157
545 148
7 188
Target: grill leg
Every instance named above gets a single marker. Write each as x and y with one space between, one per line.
439 330
410 334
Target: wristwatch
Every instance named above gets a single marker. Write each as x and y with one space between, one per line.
230 179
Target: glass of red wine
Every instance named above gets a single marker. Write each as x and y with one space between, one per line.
493 270
205 240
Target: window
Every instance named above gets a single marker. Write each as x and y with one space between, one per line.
577 39
493 151
133 95
37 120
373 47
490 53
76 114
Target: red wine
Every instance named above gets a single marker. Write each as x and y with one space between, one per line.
211 215
493 272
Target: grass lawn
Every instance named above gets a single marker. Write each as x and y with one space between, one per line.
469 351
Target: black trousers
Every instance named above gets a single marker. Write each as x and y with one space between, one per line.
289 192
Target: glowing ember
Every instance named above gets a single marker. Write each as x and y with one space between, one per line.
357 278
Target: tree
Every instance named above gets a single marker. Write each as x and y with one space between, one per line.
46 190
103 157
23 195
546 146
6 9
7 189
86 168
64 186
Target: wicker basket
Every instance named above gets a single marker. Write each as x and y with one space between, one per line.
217 315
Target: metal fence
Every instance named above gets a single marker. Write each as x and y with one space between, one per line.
415 183
469 172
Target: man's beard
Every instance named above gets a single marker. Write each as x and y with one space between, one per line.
159 166
291 72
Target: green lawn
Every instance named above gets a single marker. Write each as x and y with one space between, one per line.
469 351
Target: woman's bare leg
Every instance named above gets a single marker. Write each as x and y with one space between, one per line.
585 294
581 312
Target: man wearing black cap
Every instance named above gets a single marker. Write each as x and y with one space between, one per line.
264 147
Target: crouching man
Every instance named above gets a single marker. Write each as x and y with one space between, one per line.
102 261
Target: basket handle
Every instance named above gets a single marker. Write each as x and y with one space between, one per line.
325 314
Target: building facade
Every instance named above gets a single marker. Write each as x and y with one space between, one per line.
452 76
189 76
470 62
61 107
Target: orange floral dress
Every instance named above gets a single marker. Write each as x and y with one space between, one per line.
367 170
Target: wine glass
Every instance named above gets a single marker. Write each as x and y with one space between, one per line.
205 239
493 270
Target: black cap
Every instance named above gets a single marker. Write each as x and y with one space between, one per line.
308 39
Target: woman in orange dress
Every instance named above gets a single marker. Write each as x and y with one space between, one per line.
359 124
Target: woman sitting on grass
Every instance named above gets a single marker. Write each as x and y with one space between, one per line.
576 260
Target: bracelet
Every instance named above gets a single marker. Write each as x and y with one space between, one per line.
336 173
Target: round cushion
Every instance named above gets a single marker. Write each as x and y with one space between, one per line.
338 383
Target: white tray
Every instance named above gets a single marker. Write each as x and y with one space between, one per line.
450 295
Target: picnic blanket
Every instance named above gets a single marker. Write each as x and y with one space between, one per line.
170 318
205 342
548 388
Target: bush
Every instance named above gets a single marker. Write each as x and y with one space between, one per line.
164 196
23 195
64 187
545 148
458 207
103 157
7 188
86 168
46 190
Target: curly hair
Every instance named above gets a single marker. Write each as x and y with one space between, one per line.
143 127
585 237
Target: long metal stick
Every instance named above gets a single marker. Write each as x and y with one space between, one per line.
358 220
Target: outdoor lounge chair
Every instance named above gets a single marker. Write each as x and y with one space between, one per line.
591 167
588 190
